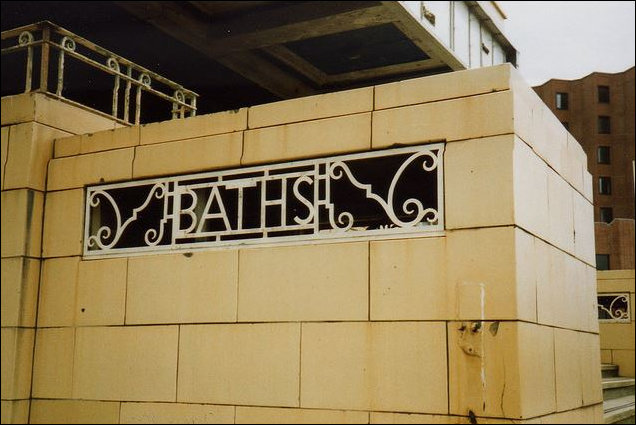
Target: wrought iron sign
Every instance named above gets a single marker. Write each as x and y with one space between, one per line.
396 191
614 308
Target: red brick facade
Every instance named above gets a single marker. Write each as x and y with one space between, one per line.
599 112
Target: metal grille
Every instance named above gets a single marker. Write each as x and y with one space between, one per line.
614 308
374 194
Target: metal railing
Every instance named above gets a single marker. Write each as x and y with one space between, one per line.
50 38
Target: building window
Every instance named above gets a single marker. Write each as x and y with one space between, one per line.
604 185
603 94
602 262
562 101
566 125
604 126
603 155
607 215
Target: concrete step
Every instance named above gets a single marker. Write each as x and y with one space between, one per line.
617 387
609 370
619 410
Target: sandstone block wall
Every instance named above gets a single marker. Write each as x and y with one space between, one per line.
481 321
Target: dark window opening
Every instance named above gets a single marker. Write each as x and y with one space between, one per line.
607 214
604 125
602 262
603 155
562 101
603 94
604 185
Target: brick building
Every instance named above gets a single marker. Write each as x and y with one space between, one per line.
599 112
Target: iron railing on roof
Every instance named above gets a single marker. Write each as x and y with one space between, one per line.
54 42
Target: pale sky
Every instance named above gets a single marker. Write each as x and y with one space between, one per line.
570 39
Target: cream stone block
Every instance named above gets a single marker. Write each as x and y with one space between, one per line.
101 167
126 363
189 156
625 361
15 412
450 120
585 286
483 368
537 125
74 412
550 269
606 356
536 369
443 86
394 366
269 415
31 148
530 186
53 364
21 220
550 137
20 281
575 163
497 367
67 146
568 362
63 223
561 213
616 274
584 415
588 189
17 358
584 248
5 146
123 137
589 294
175 413
479 182
253 364
415 418
615 285
330 136
617 336
411 418
199 126
312 107
564 277
101 292
481 271
181 289
596 412
18 108
304 283
590 372
526 275
68 117
58 292
408 279
571 315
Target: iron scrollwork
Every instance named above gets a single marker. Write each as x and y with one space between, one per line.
614 308
375 193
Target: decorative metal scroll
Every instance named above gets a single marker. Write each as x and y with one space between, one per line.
614 308
370 194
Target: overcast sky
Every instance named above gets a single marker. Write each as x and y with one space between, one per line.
570 39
